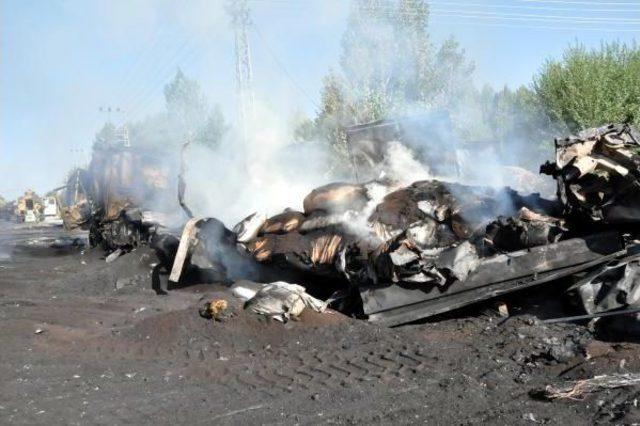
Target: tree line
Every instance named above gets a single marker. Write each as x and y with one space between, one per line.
389 67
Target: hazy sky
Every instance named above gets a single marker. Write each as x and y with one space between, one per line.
61 60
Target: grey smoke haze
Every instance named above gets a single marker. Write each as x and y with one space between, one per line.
120 54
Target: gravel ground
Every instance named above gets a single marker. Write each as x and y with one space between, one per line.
86 342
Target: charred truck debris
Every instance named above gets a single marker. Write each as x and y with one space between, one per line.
112 198
400 253
386 251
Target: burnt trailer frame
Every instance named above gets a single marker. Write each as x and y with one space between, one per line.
396 304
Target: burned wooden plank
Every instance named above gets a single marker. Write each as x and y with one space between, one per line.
186 240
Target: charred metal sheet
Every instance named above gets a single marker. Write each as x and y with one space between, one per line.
500 274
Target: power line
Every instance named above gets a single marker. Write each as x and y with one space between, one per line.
382 12
559 17
145 96
579 21
473 15
545 27
505 15
525 7
283 68
135 96
128 81
565 28
301 4
160 82
592 3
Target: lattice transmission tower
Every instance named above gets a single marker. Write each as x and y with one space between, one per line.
240 20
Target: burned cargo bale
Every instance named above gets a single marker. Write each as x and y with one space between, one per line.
405 206
315 252
424 234
248 228
282 301
459 261
527 229
597 174
282 223
267 247
321 220
464 210
335 198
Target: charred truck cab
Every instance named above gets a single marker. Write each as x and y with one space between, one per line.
117 197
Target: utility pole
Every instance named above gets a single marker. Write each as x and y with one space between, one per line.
124 136
240 20
122 132
109 110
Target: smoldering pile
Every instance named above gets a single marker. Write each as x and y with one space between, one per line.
411 251
401 251
429 232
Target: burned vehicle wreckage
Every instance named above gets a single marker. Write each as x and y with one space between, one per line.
396 253
112 197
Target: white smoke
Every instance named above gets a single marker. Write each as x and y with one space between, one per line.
265 172
402 165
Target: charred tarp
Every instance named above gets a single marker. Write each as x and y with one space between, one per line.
414 251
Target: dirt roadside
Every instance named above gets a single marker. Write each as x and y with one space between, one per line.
86 342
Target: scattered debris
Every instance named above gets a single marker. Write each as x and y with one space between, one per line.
579 388
215 309
244 293
283 301
503 310
113 256
598 174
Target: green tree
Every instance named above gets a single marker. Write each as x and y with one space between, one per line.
107 136
589 88
212 129
449 77
385 58
517 122
189 112
185 103
188 115
387 67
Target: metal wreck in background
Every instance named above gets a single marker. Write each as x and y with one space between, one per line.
116 197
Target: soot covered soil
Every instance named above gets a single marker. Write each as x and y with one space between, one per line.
86 342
